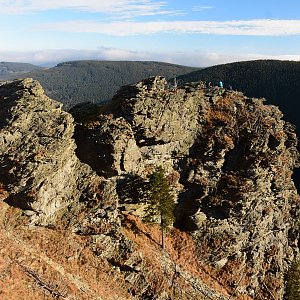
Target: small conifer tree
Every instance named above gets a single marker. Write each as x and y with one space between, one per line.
160 201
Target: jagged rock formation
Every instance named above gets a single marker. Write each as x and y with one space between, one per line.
229 158
235 157
39 169
41 174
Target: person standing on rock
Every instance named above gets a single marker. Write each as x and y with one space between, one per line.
221 84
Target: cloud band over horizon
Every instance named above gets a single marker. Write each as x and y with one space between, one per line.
195 59
258 27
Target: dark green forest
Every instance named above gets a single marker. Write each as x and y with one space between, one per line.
97 81
277 81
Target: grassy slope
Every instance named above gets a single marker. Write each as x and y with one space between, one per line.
43 263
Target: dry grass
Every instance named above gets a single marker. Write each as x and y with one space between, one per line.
181 249
216 117
41 263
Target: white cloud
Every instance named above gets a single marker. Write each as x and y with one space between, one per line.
259 27
210 59
196 59
201 7
54 56
118 8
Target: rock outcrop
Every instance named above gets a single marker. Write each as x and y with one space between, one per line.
229 159
235 157
39 171
42 176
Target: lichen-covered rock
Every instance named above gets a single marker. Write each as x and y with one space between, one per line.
159 115
108 145
241 168
39 170
235 157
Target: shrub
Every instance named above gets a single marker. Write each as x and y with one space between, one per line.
292 291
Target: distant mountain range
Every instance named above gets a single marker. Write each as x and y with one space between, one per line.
97 81
11 70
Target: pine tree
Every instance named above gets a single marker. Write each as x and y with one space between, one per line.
160 201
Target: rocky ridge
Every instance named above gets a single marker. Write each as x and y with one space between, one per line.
230 161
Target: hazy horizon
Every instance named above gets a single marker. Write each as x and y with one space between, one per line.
53 64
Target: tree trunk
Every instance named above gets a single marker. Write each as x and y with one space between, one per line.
162 227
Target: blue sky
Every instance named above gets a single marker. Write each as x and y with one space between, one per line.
196 33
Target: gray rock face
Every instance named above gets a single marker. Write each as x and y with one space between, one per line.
243 176
159 115
151 125
108 145
39 170
235 157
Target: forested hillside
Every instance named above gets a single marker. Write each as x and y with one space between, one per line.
97 81
277 81
11 70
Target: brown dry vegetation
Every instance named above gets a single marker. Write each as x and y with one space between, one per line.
181 248
3 192
44 263
41 263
